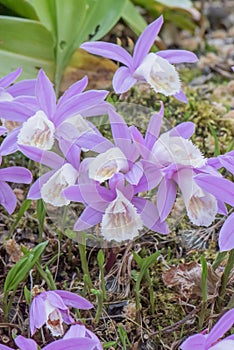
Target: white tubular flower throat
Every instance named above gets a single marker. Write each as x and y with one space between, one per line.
37 131
121 221
177 150
160 74
224 345
106 164
54 320
201 206
51 190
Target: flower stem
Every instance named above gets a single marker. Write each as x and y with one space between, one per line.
224 279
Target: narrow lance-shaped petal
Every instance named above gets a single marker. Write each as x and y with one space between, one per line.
108 50
178 56
221 188
221 327
226 235
10 78
16 174
45 95
146 40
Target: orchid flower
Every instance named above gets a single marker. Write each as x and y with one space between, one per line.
122 156
121 214
170 160
64 173
155 68
15 174
39 122
83 343
50 308
211 341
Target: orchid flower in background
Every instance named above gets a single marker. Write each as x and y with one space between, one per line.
15 174
212 340
170 160
82 343
39 122
121 214
50 308
155 68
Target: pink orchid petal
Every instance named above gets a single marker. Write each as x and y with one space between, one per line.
87 219
25 344
45 95
108 50
16 174
178 56
226 235
74 300
181 97
7 197
123 80
166 197
220 328
10 78
146 40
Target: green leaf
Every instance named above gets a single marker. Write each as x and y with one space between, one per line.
176 3
27 44
100 258
216 140
46 13
27 295
21 269
24 207
101 17
204 278
133 18
67 32
21 7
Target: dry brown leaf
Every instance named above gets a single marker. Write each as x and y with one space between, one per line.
187 279
13 250
99 70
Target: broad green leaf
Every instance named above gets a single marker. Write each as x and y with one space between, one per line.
102 16
27 44
176 3
21 7
67 32
21 269
46 13
133 18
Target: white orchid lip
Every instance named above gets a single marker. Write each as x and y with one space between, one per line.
201 206
37 131
160 74
121 221
226 344
54 320
106 164
177 150
77 125
51 190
